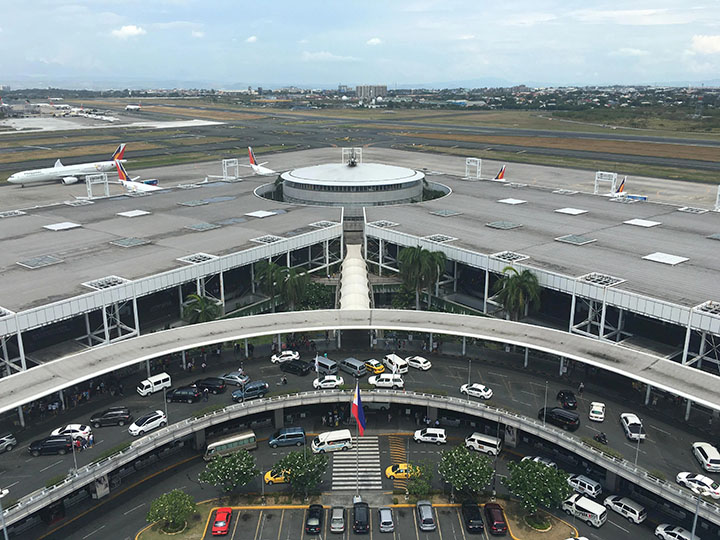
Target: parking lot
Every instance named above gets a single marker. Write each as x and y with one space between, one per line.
288 523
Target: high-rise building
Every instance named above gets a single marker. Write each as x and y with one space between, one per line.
369 91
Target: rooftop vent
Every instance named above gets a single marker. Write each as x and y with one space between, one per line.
565 192
623 200
232 221
198 258
603 280
383 224
196 202
78 202
642 223
715 236
509 256
62 226
512 201
710 307
11 213
40 261
105 283
133 213
439 238
323 224
5 312
571 211
445 213
692 210
130 241
261 214
202 227
504 225
575 239
267 239
665 258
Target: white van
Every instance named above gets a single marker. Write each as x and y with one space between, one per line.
585 509
154 384
583 484
330 441
395 364
484 443
626 508
387 380
353 366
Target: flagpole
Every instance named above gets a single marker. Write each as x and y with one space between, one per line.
357 459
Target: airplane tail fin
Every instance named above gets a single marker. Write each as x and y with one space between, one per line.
501 174
58 163
621 187
122 173
118 153
253 161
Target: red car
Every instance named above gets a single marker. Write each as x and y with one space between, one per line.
222 521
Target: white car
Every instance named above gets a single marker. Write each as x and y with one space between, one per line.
430 435
699 484
707 455
539 459
633 426
476 390
387 380
664 531
148 422
285 356
418 362
597 411
328 382
75 430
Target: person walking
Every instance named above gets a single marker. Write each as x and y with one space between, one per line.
91 440
205 393
581 387
203 366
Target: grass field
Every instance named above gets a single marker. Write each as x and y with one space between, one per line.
204 114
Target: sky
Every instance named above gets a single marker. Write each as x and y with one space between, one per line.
309 43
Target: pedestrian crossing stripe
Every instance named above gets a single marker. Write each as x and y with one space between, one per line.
398 454
359 466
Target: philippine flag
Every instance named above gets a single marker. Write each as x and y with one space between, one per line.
357 410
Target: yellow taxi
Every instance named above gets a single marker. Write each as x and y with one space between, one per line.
275 477
374 367
401 471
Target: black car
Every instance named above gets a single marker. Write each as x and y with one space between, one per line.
314 519
560 417
114 416
215 385
58 444
472 517
567 399
361 518
296 367
495 518
188 394
255 389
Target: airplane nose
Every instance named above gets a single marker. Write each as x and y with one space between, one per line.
12 179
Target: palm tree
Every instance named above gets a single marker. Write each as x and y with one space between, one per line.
293 286
517 292
420 269
200 309
269 275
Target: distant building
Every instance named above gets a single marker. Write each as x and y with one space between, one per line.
4 88
342 89
369 91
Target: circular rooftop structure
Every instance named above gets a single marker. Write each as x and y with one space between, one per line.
360 184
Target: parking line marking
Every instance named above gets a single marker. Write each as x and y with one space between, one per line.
498 374
660 430
133 509
11 485
618 526
437 523
462 530
635 447
50 466
257 528
96 530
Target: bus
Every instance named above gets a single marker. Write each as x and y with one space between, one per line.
228 445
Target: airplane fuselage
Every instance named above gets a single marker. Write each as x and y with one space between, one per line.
60 173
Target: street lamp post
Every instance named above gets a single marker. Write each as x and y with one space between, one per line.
72 445
167 420
2 513
469 369
545 406
637 450
697 509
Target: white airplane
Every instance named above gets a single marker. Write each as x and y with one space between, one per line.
132 184
257 167
67 174
133 107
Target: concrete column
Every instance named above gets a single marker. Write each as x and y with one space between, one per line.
62 399
686 346
562 364
463 345
87 329
687 410
184 361
105 324
222 291
648 390
247 351
572 308
21 416
279 343
602 316
327 256
252 278
380 257
287 259
611 481
116 309
279 418
180 300
136 315
199 439
430 345
621 321
147 367
339 339
432 413
198 288
487 287
527 353
21 350
701 352
455 276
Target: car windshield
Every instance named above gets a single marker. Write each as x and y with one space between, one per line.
144 419
313 521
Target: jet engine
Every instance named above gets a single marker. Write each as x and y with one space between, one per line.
69 180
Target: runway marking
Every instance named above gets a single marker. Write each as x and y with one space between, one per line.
40 147
660 430
618 526
96 530
133 509
49 466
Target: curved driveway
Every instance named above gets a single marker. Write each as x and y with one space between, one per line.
695 385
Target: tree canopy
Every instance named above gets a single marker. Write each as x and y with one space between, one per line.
293 286
537 485
419 484
517 291
269 276
200 309
231 471
172 510
420 269
464 470
304 470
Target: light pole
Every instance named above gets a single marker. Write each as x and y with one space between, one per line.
545 406
2 513
469 369
167 420
72 445
637 450
699 493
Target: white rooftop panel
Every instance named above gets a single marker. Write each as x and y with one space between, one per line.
512 201
665 258
642 222
62 226
134 213
260 214
571 211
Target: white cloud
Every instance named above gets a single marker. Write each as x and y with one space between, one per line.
629 51
634 17
374 41
706 44
466 37
197 34
303 41
251 39
128 31
324 56
529 19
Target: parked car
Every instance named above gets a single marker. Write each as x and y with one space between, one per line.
495 519
361 517
114 416
374 367
418 362
337 519
275 477
707 455
539 459
215 385
560 417
296 367
385 519
633 427
476 390
7 442
425 516
567 399
221 525
430 435
76 431
59 444
328 382
626 507
148 422
597 411
472 517
401 471
255 389
387 380
314 519
187 394
285 356
699 483
665 531
236 378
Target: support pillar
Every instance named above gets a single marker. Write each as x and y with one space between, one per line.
279 418
136 315
701 352
200 439
463 345
648 390
562 365
610 481
62 400
338 333
147 367
21 350
686 346
106 330
222 291
279 343
602 316
184 361
180 300
432 413
430 345
87 329
252 278
247 351
116 311
198 289
21 416
487 287
380 258
618 335
687 410
287 259
455 276
327 256
527 353
572 308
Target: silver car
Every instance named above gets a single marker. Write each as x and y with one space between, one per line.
385 519
238 378
7 442
425 516
337 519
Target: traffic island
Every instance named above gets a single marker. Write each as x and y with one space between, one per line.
194 527
523 526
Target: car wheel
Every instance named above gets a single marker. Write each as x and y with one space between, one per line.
169 400
269 482
35 453
163 424
62 452
568 512
120 423
97 425
383 409
323 451
659 536
438 443
9 448
298 443
214 392
395 387
189 400
630 519
417 441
